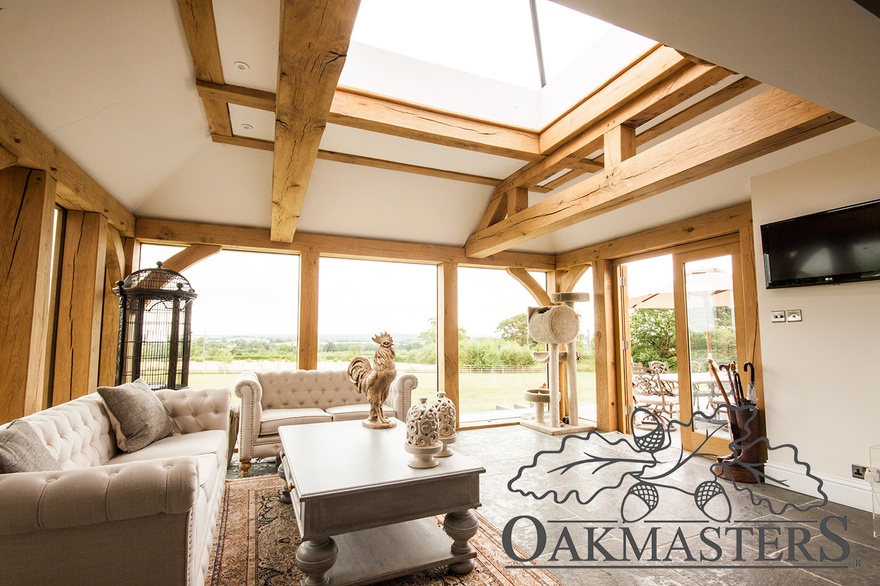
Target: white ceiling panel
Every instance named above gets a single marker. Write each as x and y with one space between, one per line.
111 83
354 141
219 184
247 32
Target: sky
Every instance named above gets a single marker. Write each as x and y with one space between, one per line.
496 39
241 293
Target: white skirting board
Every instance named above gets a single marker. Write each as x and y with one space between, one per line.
851 492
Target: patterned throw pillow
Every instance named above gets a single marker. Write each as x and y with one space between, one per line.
136 414
21 450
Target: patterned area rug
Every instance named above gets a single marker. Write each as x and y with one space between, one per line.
257 540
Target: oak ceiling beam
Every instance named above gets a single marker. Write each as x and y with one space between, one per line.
7 158
711 225
200 28
406 168
76 189
236 94
156 231
375 114
722 96
357 110
659 64
761 125
313 45
686 81
268 145
662 96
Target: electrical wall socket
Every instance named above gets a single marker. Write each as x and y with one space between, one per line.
792 315
858 471
777 316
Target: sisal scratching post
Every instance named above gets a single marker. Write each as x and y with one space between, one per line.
554 325
569 299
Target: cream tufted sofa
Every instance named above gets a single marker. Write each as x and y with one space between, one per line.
272 399
146 517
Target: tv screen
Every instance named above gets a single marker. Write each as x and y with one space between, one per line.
835 246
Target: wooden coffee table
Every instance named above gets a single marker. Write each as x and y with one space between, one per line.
364 515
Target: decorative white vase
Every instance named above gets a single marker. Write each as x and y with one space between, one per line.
422 434
446 418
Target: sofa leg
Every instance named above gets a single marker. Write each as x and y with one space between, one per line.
244 466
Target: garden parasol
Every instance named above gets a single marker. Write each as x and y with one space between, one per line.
707 288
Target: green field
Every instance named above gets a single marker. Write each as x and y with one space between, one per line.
478 392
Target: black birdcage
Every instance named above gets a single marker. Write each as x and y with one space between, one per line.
155 309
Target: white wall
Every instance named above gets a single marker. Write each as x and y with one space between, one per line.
822 375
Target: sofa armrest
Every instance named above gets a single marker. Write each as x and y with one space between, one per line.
32 501
400 394
196 410
248 388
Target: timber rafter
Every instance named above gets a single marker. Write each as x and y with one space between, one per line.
156 231
761 125
312 50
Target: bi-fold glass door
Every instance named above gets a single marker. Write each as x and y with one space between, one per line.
675 313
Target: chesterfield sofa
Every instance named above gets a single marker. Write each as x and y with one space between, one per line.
109 517
276 398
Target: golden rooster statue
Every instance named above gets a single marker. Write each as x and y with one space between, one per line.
374 381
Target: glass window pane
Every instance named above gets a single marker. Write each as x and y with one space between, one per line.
586 366
245 316
495 362
358 299
711 335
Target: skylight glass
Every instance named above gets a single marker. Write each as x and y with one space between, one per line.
479 57
489 38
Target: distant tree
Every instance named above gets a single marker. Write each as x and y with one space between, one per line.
652 336
429 336
515 329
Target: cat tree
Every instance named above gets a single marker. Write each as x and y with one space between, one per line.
556 325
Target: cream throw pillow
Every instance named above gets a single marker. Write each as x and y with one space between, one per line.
136 414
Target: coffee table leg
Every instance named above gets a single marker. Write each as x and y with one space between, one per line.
461 526
285 488
315 557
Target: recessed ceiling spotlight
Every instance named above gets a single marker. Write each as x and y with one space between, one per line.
247 126
241 65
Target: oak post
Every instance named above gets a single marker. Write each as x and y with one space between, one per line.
620 144
27 199
607 405
80 304
114 271
307 344
447 334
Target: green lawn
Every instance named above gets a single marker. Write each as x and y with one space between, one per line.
478 392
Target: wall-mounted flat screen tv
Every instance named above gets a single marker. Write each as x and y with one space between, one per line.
835 246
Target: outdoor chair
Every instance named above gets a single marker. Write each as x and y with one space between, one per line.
655 393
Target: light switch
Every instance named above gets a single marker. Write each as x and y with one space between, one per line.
793 315
777 317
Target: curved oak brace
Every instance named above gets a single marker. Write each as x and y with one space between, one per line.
190 255
531 285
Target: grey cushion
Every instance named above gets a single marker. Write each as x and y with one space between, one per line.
136 414
21 450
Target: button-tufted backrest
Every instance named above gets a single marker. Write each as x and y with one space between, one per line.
77 433
295 389
194 410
